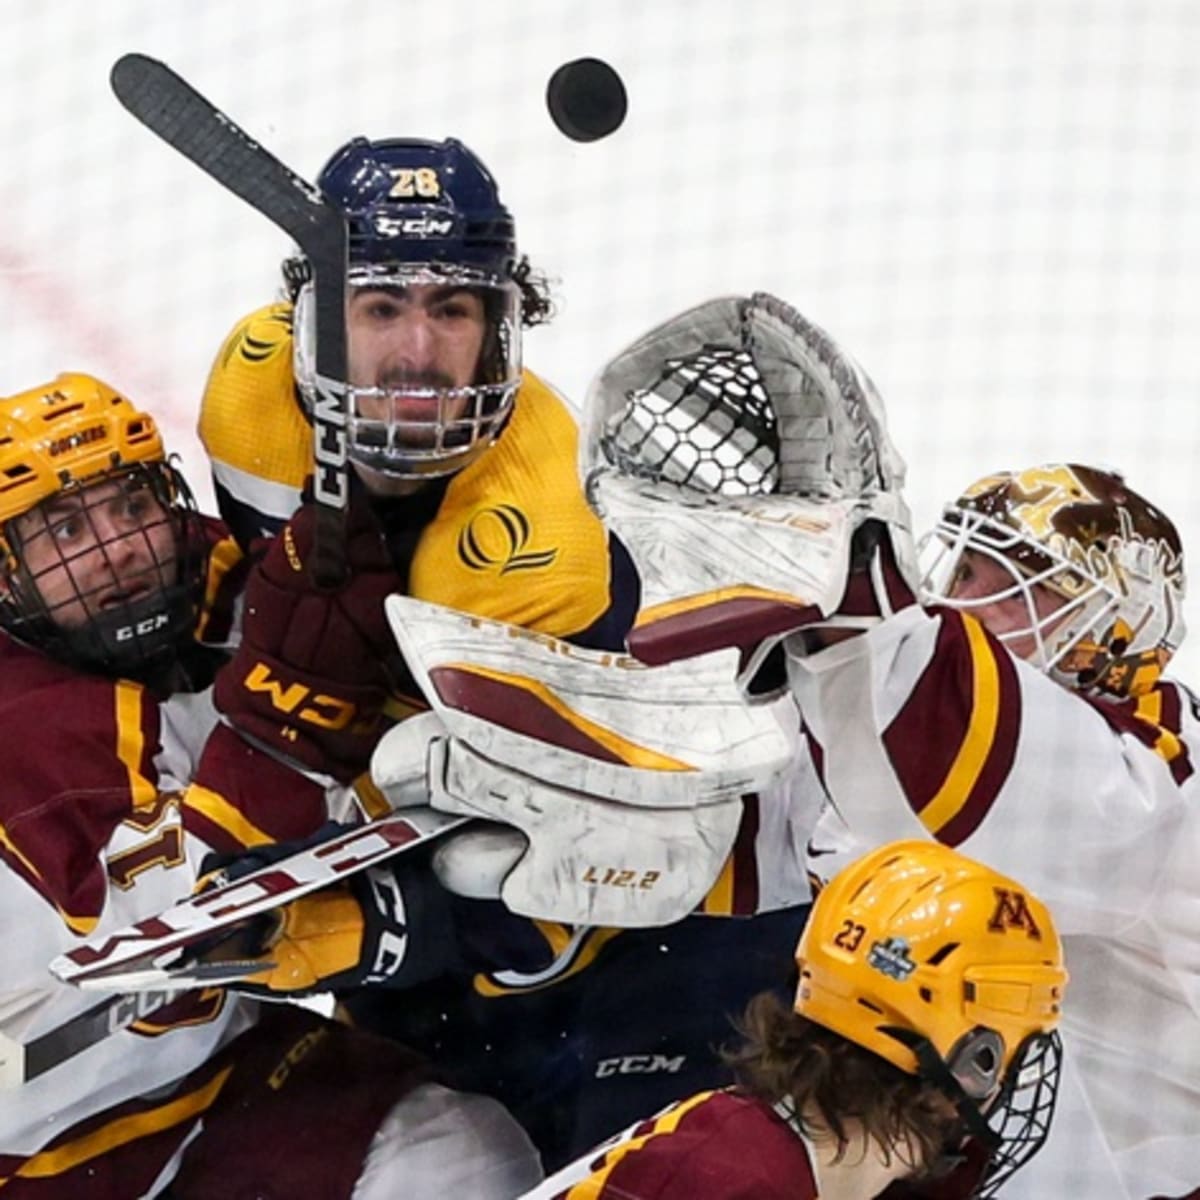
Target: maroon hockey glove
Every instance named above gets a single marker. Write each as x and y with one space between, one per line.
310 678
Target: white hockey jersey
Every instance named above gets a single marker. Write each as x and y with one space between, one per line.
91 839
926 725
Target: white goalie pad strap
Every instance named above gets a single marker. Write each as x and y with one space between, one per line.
589 860
588 721
399 763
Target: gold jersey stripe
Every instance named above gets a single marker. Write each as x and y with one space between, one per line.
980 736
593 1186
1149 709
221 559
370 798
131 743
215 808
631 753
120 1132
719 900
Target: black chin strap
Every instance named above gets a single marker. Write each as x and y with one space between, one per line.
933 1067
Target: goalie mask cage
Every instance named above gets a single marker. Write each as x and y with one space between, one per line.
994 205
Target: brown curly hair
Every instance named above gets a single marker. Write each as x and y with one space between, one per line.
831 1082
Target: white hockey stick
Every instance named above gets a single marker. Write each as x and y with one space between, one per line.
167 950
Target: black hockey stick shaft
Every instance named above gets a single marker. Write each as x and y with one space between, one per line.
21 1062
170 107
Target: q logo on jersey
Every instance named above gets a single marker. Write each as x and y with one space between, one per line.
497 538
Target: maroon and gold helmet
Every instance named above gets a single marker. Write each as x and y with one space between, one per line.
1111 562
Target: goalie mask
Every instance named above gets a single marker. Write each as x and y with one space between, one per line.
102 560
950 971
735 450
433 306
1070 568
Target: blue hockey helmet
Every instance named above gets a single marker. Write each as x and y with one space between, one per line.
412 200
425 221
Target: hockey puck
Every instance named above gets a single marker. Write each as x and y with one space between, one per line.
586 99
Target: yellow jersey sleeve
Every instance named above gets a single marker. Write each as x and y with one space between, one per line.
253 426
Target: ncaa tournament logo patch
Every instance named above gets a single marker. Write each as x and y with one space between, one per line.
893 957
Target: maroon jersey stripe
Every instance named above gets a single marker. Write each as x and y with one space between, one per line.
923 740
1000 756
953 764
515 708
745 861
1154 719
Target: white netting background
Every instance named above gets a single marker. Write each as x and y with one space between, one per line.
995 204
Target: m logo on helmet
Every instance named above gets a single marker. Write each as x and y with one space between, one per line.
1012 912
1045 492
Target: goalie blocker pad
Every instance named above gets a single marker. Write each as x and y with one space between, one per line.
589 861
625 779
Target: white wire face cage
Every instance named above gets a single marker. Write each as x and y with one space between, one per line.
961 532
461 422
1119 618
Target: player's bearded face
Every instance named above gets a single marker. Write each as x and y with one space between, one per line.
97 548
415 342
1008 617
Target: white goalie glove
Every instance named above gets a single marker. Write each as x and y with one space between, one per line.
623 782
735 450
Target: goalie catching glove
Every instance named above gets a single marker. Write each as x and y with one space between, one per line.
736 450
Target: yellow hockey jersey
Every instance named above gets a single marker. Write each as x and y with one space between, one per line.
513 538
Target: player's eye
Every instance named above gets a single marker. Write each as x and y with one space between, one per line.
137 505
458 306
383 309
67 529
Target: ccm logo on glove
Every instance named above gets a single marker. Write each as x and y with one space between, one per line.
287 697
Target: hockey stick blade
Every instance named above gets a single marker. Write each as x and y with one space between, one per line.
21 1062
142 956
170 107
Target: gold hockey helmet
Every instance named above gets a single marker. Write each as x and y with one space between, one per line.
948 970
63 438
